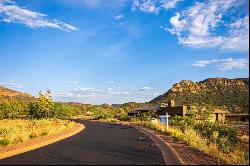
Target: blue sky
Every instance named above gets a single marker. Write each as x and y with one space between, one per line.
116 51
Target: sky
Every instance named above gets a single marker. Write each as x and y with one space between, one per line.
117 51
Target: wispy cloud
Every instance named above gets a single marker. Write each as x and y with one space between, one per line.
146 88
147 6
118 18
95 4
11 13
197 26
106 95
224 64
169 4
12 85
110 82
153 6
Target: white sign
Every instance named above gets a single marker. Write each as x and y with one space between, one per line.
164 119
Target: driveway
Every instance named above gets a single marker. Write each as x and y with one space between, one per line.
100 143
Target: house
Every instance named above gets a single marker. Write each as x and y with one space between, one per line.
173 110
143 110
180 110
219 115
237 117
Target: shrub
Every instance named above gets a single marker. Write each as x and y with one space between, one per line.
61 111
227 138
182 122
42 107
4 142
123 117
222 149
101 113
12 109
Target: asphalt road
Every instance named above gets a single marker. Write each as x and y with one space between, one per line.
99 144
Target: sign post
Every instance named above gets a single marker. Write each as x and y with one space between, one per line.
167 116
164 119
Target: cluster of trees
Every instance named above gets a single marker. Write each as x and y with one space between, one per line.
45 107
42 107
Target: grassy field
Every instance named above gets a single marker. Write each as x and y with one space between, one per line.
17 131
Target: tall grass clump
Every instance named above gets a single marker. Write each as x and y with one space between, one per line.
17 131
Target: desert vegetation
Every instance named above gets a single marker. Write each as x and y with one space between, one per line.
14 131
221 142
22 121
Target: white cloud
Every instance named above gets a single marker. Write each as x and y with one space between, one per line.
197 27
146 88
11 13
153 6
123 93
147 6
119 17
109 89
224 64
231 64
169 4
59 94
11 85
110 82
179 25
105 95
95 4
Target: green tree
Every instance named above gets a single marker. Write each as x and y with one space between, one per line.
42 108
204 111
144 116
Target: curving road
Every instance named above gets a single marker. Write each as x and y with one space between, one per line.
100 143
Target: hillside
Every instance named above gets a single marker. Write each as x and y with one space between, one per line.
231 93
8 94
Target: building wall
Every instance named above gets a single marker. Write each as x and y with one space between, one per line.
237 117
177 110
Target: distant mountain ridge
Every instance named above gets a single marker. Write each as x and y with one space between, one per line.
231 93
9 94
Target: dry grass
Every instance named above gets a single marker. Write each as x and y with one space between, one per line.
239 156
17 131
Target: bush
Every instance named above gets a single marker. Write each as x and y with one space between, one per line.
227 138
123 117
42 107
61 111
101 113
12 109
182 122
4 142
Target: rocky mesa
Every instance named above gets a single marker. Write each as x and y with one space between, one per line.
233 94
